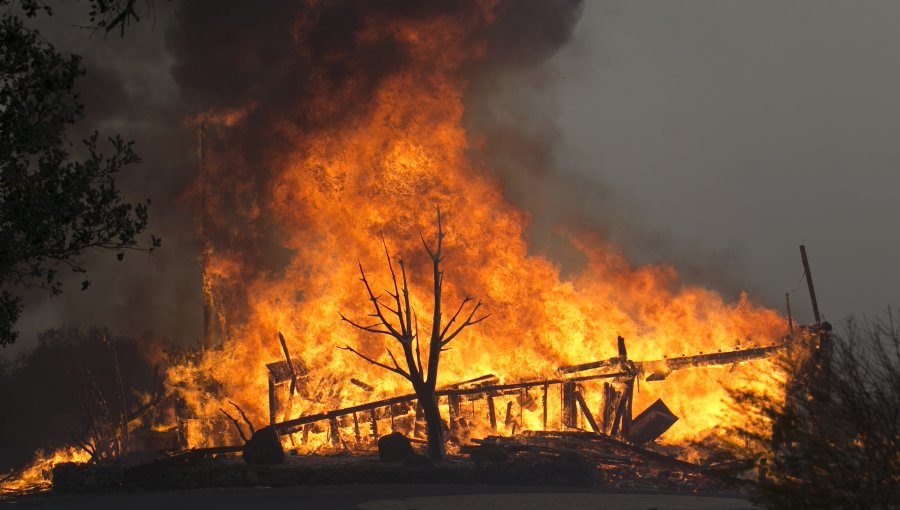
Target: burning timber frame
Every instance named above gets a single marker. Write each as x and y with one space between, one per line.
616 419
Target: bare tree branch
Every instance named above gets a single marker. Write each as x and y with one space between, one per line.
393 359
376 304
236 424
396 294
244 417
418 351
371 329
455 315
408 328
396 370
468 322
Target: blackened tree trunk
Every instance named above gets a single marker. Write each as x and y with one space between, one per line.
403 327
434 427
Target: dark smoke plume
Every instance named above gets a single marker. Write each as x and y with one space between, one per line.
283 56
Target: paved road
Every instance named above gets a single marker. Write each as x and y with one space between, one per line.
382 497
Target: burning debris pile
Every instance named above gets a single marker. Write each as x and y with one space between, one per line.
354 128
483 405
298 181
483 421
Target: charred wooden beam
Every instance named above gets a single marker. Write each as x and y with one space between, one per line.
509 416
569 415
586 412
809 284
333 431
282 372
492 414
362 385
664 366
288 426
544 405
273 404
610 402
622 418
629 402
373 422
290 363
478 382
609 363
454 411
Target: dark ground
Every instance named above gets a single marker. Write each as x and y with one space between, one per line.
384 497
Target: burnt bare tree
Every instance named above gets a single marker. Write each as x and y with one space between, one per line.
394 317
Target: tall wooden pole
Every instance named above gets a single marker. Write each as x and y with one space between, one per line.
809 283
787 303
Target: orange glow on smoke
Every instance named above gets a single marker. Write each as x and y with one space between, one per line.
385 171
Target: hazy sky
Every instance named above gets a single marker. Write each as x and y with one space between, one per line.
748 128
722 133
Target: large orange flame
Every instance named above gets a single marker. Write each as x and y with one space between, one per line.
383 155
384 169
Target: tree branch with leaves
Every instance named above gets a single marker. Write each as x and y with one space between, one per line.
56 202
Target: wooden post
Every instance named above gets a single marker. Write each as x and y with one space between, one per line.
620 343
610 402
809 284
333 431
356 433
544 404
273 407
622 421
453 407
587 412
523 396
289 407
290 363
492 414
374 424
626 418
569 412
509 417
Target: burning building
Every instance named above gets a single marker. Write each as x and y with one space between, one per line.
343 122
361 134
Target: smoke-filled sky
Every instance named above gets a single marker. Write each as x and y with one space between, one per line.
714 136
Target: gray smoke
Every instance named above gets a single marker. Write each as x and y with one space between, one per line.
213 54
